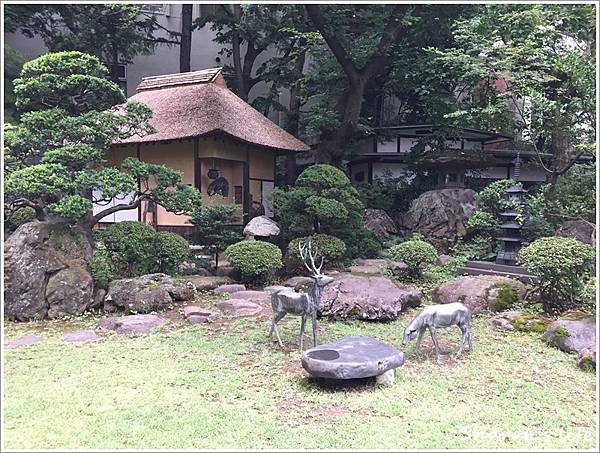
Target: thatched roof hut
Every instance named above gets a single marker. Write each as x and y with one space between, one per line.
196 104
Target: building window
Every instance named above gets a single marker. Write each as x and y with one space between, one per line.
359 176
154 8
238 194
122 76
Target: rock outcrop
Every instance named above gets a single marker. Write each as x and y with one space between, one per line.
379 221
261 226
47 271
476 292
146 293
440 215
369 298
579 229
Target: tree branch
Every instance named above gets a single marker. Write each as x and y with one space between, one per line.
122 207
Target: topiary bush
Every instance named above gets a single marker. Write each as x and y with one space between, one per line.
130 247
170 250
361 242
505 298
493 197
322 201
416 254
563 266
329 247
256 260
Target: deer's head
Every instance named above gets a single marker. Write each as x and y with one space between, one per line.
308 255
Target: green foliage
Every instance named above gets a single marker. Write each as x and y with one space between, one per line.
330 248
481 248
492 198
482 222
13 219
211 224
13 62
506 297
416 254
256 260
55 154
562 265
102 267
115 33
361 242
170 251
130 247
322 201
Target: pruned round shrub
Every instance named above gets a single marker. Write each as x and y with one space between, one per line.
416 254
130 246
562 266
170 251
505 297
101 267
329 247
493 197
256 260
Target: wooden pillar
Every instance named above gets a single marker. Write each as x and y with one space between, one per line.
246 205
197 164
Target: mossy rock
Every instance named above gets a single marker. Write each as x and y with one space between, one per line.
501 297
533 323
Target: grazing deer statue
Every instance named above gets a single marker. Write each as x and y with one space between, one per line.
434 316
289 301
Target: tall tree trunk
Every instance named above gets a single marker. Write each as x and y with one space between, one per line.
114 63
185 48
293 119
561 150
237 57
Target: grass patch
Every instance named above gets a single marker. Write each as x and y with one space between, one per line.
224 386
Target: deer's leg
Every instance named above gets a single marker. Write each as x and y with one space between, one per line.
302 327
433 333
314 328
277 316
419 338
468 328
463 340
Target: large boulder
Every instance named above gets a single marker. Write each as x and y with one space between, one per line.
47 271
261 226
379 221
579 229
146 293
572 336
476 292
440 215
370 298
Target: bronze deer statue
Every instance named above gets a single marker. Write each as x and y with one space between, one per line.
305 305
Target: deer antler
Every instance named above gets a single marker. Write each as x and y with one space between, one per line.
306 251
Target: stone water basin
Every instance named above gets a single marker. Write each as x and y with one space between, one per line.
353 358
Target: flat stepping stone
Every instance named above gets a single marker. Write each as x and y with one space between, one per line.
252 295
81 337
295 282
198 315
234 288
24 341
239 307
274 288
365 269
203 283
132 323
353 358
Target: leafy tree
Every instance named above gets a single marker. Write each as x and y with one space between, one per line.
545 56
57 150
115 33
322 201
211 224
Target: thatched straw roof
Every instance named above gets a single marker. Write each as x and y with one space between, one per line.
199 103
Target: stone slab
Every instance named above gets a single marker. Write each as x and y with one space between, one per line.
197 314
203 283
230 289
239 307
352 358
131 324
24 341
274 288
81 337
252 295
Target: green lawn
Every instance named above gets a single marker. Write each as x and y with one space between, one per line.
224 386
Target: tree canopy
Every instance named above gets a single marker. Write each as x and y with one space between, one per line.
56 154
